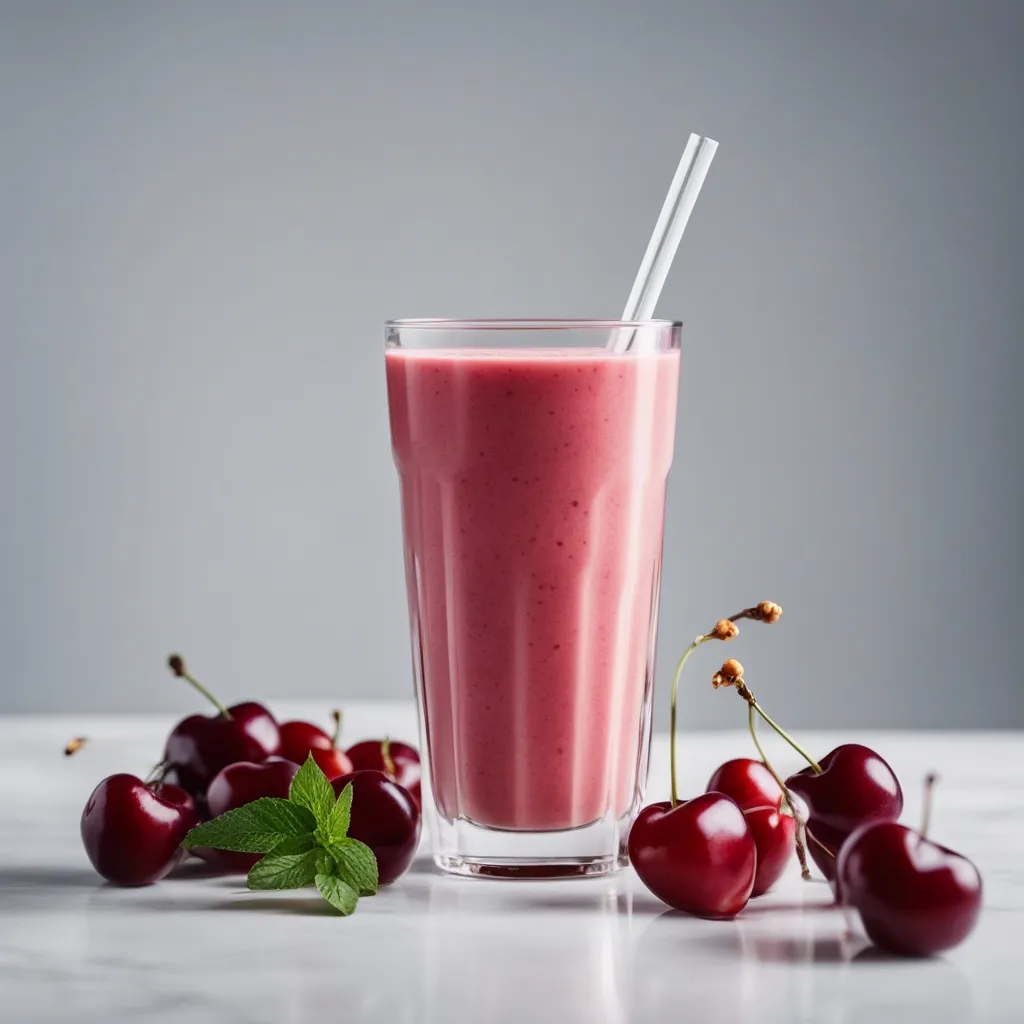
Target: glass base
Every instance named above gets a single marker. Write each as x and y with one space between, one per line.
464 848
530 870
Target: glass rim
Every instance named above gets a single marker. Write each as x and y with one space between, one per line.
527 324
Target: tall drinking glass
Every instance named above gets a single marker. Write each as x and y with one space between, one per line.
532 457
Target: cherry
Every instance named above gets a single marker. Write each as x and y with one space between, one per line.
748 782
759 796
300 739
385 817
132 832
774 834
332 762
698 856
397 760
914 896
200 746
854 785
239 784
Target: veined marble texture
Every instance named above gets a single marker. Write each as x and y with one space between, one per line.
200 949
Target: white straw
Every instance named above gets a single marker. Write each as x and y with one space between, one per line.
678 205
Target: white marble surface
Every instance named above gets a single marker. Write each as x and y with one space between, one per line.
433 948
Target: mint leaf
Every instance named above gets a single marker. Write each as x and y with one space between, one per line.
356 865
335 828
255 827
289 865
340 896
310 789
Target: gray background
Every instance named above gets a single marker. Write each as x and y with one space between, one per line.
207 209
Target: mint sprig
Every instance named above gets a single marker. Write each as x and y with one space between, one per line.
255 827
304 839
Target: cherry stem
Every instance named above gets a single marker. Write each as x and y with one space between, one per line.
385 753
672 714
926 815
817 842
747 613
157 773
74 745
336 735
742 690
801 853
177 666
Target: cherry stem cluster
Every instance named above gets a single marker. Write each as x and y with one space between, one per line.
753 612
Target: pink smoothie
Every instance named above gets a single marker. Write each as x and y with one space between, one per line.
533 496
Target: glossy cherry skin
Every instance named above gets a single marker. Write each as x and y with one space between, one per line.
132 833
748 782
759 796
200 746
916 898
239 784
332 763
368 755
774 836
855 786
698 856
300 739
385 817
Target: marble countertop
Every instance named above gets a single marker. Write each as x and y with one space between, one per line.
432 948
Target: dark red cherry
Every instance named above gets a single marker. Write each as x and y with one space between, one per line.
332 762
385 817
239 784
698 856
916 898
748 782
759 796
300 739
199 746
404 766
855 786
774 836
132 832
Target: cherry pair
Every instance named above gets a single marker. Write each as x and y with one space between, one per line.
711 854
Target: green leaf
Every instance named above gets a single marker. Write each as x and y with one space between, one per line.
357 865
289 865
335 828
340 896
255 827
310 789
